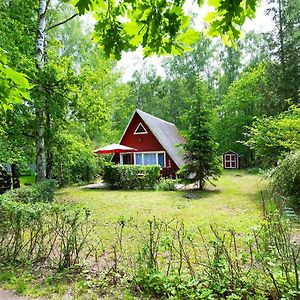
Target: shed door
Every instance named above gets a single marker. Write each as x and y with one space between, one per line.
230 161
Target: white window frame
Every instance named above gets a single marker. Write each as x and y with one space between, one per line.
151 152
231 158
140 124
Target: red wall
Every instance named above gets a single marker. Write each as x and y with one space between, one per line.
144 143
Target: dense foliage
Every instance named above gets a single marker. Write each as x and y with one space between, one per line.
41 232
273 137
14 86
167 184
131 176
285 178
161 26
39 192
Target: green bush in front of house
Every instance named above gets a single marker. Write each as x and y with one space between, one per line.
39 192
129 177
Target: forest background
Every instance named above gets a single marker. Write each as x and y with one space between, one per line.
251 90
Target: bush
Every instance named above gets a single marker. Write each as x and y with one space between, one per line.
40 192
44 190
286 177
131 176
43 232
167 185
175 262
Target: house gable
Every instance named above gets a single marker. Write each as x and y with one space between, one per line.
142 142
161 137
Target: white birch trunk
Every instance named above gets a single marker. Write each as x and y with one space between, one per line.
39 107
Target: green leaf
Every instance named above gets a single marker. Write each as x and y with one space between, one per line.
131 28
214 3
83 6
189 37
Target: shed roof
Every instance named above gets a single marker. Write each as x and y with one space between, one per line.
230 152
166 133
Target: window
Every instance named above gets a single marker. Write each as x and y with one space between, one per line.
230 161
161 159
140 129
138 159
150 158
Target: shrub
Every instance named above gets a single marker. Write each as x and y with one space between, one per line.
40 192
175 262
131 176
44 190
167 185
286 177
43 232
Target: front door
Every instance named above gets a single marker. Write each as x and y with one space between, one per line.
126 159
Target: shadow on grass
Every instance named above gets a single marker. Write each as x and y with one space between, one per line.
199 194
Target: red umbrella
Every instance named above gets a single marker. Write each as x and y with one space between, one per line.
114 148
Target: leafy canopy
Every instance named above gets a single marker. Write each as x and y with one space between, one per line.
161 26
274 137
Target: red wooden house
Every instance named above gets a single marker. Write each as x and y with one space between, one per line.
156 142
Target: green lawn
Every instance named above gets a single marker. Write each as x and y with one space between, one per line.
27 180
233 203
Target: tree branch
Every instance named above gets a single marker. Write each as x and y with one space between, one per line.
62 22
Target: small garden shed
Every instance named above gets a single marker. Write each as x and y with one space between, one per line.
231 160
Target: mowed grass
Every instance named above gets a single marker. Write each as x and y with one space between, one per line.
27 180
234 203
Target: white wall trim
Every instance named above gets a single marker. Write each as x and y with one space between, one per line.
140 124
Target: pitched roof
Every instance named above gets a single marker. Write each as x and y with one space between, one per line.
167 134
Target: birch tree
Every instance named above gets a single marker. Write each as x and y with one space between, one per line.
41 49
39 107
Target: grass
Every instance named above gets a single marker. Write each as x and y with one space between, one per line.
27 179
232 204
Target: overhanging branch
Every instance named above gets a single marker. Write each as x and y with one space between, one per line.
62 22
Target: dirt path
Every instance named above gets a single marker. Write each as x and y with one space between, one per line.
9 295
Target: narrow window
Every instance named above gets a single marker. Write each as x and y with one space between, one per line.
138 159
161 159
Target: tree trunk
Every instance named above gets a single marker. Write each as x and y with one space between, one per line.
61 180
39 107
40 145
49 169
15 172
281 36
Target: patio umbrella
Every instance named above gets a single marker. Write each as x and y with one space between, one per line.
114 148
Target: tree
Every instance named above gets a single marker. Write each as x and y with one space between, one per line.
64 90
283 45
248 97
202 162
272 138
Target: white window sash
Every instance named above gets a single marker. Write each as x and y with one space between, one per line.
156 157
